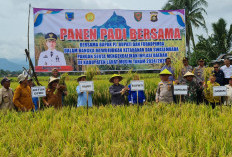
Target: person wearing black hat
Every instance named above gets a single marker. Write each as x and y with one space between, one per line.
6 95
51 57
184 70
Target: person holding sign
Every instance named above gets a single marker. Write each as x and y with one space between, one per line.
6 95
193 88
213 100
132 95
51 57
164 91
34 99
229 93
54 94
22 95
117 90
82 95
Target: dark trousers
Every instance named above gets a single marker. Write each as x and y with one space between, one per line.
214 105
226 81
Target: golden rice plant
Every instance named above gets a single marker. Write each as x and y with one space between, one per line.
207 72
177 68
91 72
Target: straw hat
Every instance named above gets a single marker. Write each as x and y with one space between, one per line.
188 74
79 78
165 72
115 75
21 77
53 79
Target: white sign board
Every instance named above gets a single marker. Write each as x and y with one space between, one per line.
86 86
180 89
38 91
220 91
137 85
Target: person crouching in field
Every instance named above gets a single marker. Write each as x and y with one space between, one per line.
229 93
193 88
6 95
117 90
82 96
56 74
212 100
35 100
164 91
54 94
132 95
22 95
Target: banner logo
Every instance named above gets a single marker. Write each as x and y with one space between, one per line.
90 17
69 16
154 16
138 16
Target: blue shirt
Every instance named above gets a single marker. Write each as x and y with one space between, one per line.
82 98
132 97
171 69
35 102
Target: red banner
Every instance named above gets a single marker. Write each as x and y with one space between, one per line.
49 68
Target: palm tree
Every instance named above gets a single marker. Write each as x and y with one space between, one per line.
194 10
222 36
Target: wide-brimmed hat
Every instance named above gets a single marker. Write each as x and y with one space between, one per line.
21 77
165 72
5 79
80 77
52 79
115 75
188 74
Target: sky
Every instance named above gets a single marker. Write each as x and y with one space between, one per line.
14 18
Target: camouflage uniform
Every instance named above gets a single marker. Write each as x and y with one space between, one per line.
164 92
198 72
183 71
193 91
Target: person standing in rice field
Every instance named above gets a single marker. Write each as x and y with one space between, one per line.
208 90
22 95
165 89
227 69
219 74
169 68
184 70
132 95
53 94
199 71
228 98
193 88
117 90
56 74
6 95
199 76
34 99
82 96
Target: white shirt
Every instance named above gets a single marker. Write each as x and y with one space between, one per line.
227 71
51 58
229 95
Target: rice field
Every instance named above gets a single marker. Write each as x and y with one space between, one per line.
156 130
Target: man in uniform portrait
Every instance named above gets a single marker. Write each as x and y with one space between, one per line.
51 57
